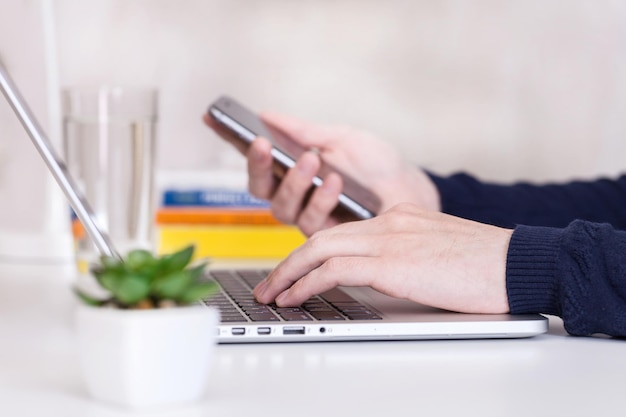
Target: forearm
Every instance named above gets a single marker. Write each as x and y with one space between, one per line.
554 205
577 273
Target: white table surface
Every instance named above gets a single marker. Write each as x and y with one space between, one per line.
552 374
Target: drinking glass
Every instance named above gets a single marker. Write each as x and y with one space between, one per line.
109 144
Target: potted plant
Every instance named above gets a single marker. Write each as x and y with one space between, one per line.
147 343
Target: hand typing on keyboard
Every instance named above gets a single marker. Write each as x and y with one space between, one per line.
428 257
237 304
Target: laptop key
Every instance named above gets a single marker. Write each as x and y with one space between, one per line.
263 317
352 309
364 317
281 310
257 310
312 309
295 317
233 319
327 315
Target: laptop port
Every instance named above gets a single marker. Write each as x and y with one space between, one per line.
263 330
238 331
293 330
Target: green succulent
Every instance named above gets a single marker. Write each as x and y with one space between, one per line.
142 280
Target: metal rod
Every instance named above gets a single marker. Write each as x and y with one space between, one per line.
56 166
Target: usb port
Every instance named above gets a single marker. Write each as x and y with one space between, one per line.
293 330
263 330
238 331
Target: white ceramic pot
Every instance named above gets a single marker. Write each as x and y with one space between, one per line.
146 358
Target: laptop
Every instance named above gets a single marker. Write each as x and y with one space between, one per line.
350 313
341 314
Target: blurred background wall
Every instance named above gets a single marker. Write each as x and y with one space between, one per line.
505 89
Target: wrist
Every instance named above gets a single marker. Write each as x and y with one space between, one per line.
429 197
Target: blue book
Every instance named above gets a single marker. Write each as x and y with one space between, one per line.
211 197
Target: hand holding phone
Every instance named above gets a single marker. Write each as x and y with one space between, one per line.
241 127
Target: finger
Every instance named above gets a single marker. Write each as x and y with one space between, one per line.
316 251
324 199
307 134
288 199
348 271
261 180
210 122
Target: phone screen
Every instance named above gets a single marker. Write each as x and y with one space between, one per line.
355 202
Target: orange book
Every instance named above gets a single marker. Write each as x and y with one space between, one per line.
200 216
78 231
214 215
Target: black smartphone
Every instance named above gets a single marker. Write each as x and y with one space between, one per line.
356 202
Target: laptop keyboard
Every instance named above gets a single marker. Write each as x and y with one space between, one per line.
237 303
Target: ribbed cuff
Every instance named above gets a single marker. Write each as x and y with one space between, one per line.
531 276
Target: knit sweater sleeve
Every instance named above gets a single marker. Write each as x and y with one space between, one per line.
554 205
567 256
577 272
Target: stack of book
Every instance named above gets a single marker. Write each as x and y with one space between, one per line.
222 223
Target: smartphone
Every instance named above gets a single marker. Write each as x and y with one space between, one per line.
356 202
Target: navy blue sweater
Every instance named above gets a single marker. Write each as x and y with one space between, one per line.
567 255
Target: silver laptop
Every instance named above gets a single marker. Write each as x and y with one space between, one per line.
341 314
356 313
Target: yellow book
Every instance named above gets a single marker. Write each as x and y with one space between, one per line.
231 241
